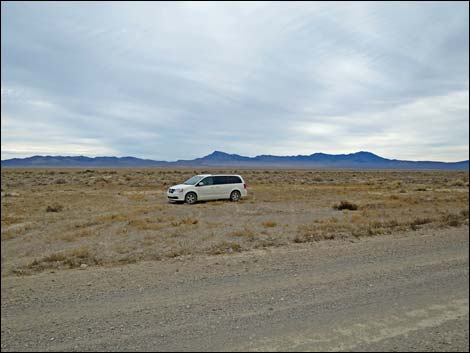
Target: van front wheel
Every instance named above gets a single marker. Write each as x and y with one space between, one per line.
235 196
190 198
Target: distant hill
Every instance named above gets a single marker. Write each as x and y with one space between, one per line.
78 161
358 160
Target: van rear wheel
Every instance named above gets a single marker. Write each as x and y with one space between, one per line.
190 198
235 196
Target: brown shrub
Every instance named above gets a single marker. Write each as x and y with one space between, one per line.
179 252
190 221
356 218
224 248
307 237
346 205
54 257
269 224
187 221
420 221
54 208
70 259
145 224
245 232
453 220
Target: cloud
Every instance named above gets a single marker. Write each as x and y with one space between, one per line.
178 80
397 129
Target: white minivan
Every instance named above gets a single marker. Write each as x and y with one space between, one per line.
209 187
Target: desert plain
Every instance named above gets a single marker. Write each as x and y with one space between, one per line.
60 219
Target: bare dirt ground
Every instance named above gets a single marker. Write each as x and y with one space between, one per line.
402 292
99 260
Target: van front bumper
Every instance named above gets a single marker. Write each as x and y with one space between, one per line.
175 196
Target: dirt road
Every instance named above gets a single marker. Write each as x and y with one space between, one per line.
401 292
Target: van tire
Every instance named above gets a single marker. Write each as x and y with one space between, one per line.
235 196
190 198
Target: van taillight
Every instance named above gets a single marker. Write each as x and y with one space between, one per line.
245 186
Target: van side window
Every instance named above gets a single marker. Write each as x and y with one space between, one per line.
207 181
218 180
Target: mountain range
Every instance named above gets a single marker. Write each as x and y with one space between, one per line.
358 160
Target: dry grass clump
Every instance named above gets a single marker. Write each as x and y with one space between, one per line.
145 224
15 230
245 232
346 205
378 228
269 224
54 258
453 219
419 222
216 203
179 252
66 259
10 194
224 248
359 226
189 221
326 230
7 220
77 235
110 218
356 218
185 221
310 234
54 208
307 237
464 213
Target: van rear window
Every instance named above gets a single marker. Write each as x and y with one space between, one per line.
235 180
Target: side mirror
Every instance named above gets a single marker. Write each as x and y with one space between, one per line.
200 184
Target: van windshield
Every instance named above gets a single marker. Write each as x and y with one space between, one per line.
194 180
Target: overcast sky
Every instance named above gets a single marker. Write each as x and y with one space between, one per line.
171 81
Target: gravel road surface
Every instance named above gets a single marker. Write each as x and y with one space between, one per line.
390 293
